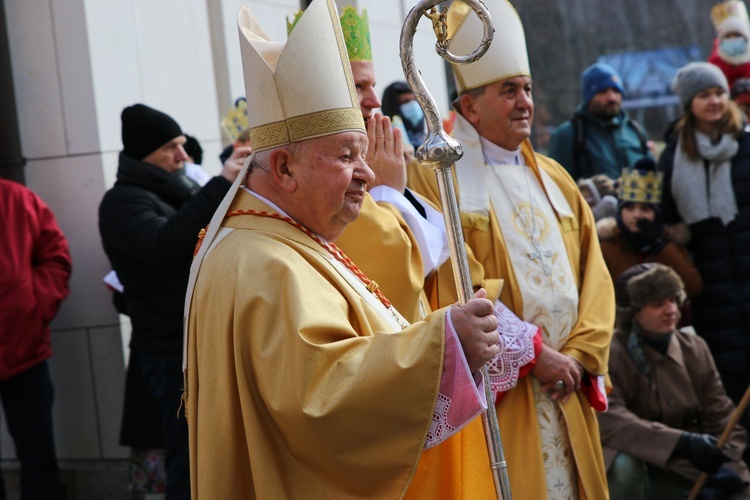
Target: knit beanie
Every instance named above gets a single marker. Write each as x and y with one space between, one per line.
598 77
696 77
144 130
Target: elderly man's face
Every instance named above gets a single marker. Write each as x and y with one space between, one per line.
503 113
331 180
364 80
170 157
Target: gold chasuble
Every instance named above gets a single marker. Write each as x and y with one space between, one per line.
303 390
558 282
383 247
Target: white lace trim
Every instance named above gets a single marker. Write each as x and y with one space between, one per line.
516 349
440 429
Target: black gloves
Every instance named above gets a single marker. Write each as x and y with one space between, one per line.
701 451
721 485
651 233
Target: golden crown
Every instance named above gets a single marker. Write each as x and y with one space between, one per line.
639 187
235 121
722 11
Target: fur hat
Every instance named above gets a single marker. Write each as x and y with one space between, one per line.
642 284
648 282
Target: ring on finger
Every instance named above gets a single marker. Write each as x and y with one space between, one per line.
559 385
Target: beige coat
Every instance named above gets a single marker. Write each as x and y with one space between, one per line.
683 392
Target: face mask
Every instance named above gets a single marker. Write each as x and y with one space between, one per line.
734 46
412 113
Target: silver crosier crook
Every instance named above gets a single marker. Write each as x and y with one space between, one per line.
440 152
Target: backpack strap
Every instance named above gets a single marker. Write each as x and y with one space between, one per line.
579 139
642 135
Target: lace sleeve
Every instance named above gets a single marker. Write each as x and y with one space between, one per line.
516 349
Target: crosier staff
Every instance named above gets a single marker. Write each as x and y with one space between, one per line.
440 152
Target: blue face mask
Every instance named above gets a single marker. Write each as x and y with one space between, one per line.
412 113
734 46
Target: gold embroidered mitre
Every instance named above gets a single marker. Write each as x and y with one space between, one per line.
730 16
506 57
302 88
356 31
235 121
640 186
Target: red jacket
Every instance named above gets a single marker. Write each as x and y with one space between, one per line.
34 271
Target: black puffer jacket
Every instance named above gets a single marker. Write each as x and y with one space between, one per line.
149 223
721 313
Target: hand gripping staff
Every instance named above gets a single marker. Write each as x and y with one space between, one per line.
440 152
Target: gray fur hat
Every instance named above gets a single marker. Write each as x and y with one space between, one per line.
648 282
696 77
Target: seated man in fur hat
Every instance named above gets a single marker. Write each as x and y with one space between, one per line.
667 406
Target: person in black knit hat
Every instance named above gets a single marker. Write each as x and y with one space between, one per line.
149 224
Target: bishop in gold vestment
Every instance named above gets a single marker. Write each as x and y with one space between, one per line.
531 243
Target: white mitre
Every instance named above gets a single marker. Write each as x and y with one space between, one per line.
296 90
506 57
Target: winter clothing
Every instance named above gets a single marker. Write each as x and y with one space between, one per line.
732 70
608 145
34 270
619 255
645 283
149 223
721 254
656 398
699 196
696 77
599 77
144 130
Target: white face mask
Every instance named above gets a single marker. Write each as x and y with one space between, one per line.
733 46
412 112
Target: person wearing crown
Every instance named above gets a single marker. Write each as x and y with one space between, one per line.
302 381
731 51
526 224
667 406
636 234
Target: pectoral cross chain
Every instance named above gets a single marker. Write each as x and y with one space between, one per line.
539 254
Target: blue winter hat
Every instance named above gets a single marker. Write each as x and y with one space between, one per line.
598 77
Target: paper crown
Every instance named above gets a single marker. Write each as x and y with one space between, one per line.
356 31
506 57
300 89
730 16
640 186
235 121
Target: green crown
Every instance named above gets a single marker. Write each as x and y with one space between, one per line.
356 31
290 25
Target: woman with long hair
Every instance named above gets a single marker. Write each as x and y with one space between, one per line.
707 187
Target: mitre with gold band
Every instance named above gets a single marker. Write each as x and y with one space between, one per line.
295 91
506 57
356 30
302 88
